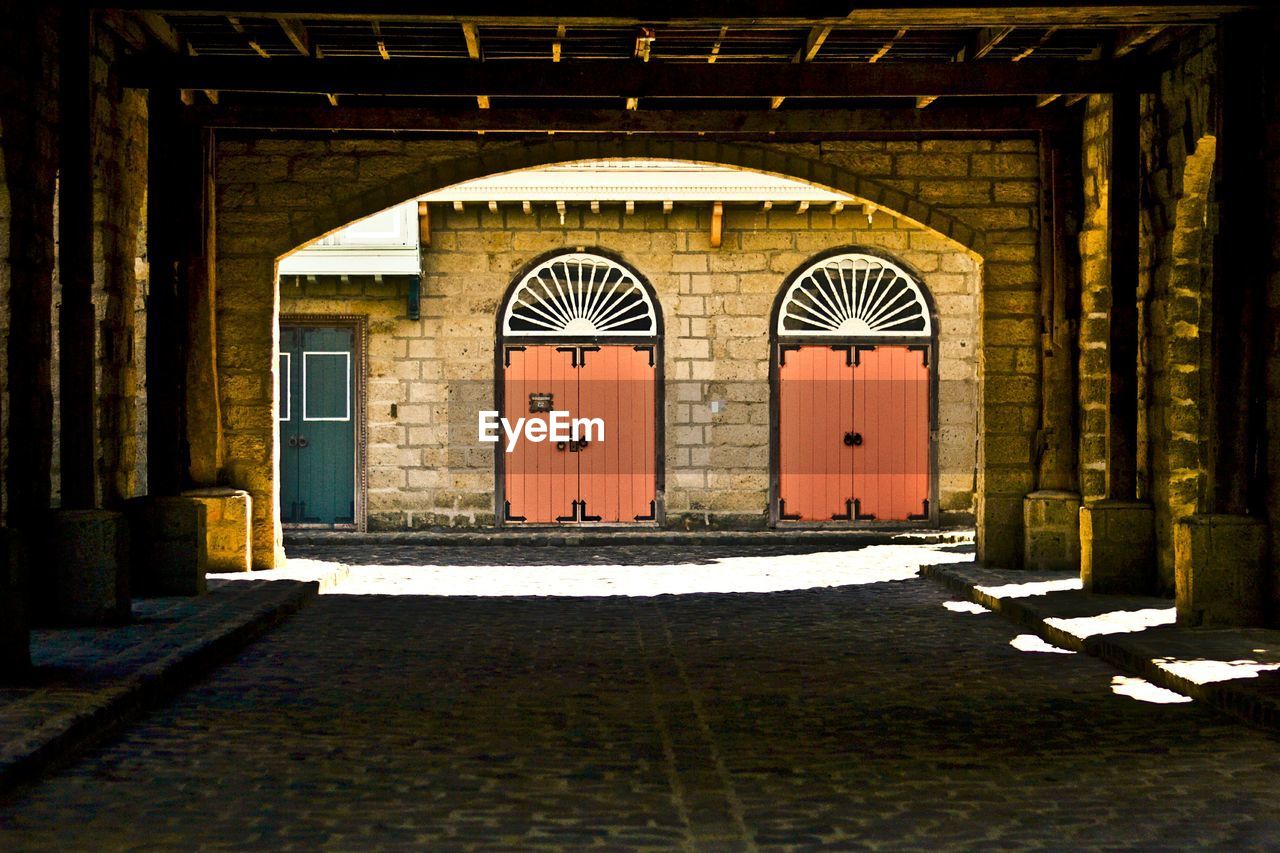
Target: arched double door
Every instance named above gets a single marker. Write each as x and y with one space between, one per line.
579 342
853 377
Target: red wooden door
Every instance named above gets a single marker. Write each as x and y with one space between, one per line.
616 476
815 412
853 433
540 482
609 481
891 416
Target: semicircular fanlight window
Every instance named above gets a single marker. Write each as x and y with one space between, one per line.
854 295
576 295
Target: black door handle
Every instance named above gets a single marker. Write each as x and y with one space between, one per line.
853 439
293 441
559 445
302 441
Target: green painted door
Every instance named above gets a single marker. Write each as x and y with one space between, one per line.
317 425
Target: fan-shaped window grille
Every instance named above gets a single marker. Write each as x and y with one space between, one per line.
577 295
854 295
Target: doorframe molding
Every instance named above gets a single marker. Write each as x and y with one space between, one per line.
359 324
501 342
775 343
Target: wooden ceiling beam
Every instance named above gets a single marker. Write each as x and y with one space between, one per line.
297 34
988 39
888 46
541 79
763 13
943 117
1129 40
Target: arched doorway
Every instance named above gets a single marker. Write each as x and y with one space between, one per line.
853 375
579 359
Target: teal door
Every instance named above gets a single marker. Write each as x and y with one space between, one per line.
317 419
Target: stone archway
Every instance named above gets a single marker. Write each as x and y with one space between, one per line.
275 195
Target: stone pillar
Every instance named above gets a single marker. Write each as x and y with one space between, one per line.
15 616
1051 521
229 519
169 545
1219 563
85 576
1117 547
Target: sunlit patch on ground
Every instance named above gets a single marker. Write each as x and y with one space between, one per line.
1115 622
730 574
1145 691
964 607
1026 590
1032 643
1208 671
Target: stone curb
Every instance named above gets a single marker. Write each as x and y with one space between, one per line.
104 710
1237 697
637 537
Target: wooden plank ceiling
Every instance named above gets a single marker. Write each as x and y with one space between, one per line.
751 57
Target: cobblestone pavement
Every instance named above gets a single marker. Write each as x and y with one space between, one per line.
868 714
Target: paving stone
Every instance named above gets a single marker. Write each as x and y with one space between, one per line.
858 715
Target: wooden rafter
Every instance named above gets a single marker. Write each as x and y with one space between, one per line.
715 48
988 39
812 44
959 116
1132 38
887 46
558 45
239 27
542 79
297 34
471 35
1043 40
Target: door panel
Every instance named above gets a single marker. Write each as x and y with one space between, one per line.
815 413
616 384
540 481
891 410
317 439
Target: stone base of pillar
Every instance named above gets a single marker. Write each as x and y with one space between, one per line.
15 616
1220 570
86 578
229 516
1118 547
1051 531
169 545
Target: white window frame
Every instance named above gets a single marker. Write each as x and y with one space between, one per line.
347 356
835 305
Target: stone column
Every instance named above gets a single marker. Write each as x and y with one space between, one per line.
1117 534
1219 566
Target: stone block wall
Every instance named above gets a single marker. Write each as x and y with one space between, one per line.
120 273
1179 153
426 467
1174 291
275 195
1095 297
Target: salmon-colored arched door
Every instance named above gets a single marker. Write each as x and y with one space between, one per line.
580 357
853 394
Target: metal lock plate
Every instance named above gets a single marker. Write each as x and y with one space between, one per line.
540 402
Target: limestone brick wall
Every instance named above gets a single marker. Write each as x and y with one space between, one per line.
426 467
1174 290
277 194
119 151
1095 297
1179 151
